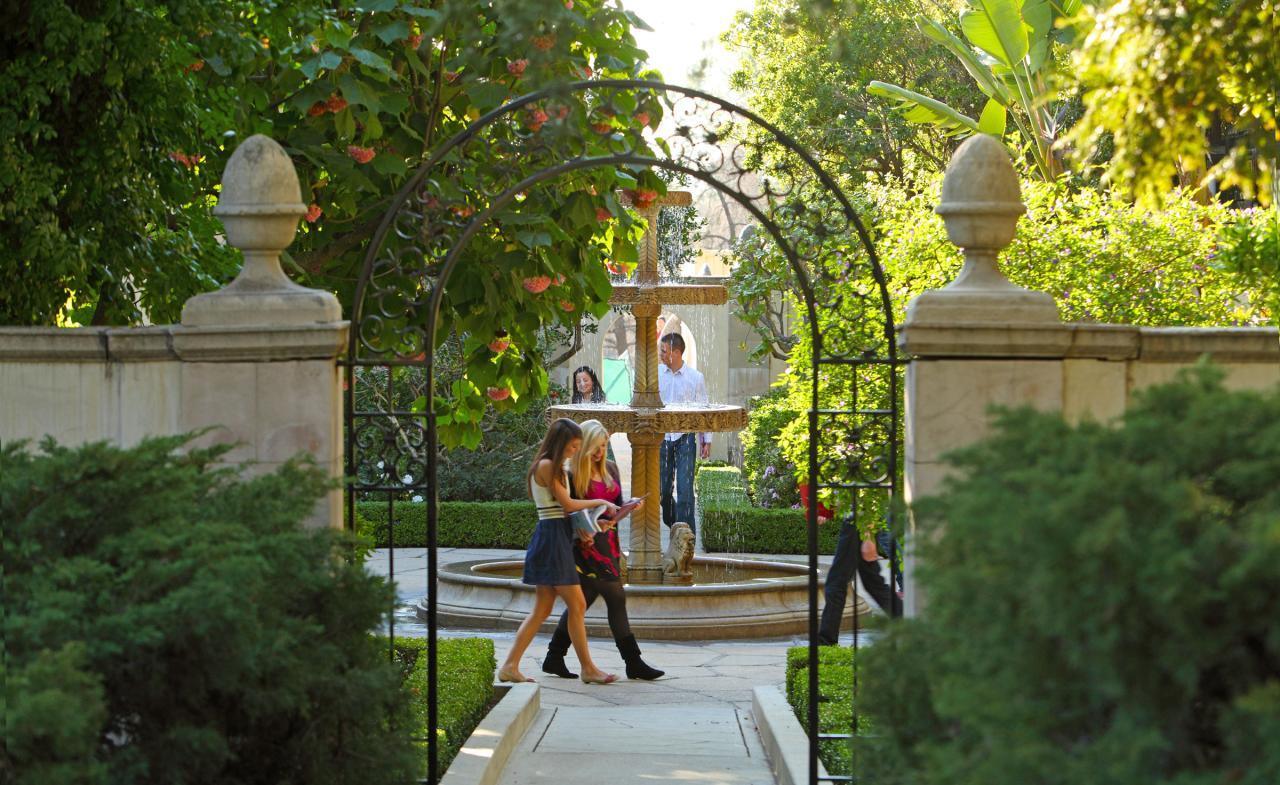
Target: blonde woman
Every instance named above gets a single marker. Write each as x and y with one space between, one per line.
593 476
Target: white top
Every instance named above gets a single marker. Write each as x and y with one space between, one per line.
547 505
683 386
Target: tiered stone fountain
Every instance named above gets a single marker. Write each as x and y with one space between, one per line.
726 597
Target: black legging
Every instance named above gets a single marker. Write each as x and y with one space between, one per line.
615 600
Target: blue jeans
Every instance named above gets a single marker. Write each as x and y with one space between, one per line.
677 457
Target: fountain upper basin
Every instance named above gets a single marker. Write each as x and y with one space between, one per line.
743 598
671 418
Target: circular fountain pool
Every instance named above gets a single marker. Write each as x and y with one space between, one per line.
730 598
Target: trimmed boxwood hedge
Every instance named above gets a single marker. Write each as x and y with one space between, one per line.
835 700
459 525
731 525
467 666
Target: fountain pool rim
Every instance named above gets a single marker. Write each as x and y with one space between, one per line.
759 608
473 572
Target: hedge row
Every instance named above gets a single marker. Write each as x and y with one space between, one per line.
835 701
458 524
730 524
467 666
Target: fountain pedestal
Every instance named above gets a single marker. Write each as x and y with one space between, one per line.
647 420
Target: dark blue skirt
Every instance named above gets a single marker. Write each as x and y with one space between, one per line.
549 560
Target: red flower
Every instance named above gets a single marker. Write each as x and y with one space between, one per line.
543 43
561 112
601 128
313 213
566 306
645 197
559 280
499 344
317 109
602 214
362 155
498 393
568 4
465 211
516 67
536 284
415 41
535 119
336 103
587 72
189 161
641 117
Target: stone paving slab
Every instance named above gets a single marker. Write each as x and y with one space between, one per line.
706 745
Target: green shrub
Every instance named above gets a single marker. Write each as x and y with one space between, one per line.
731 525
1249 249
459 524
467 666
1101 604
1102 258
835 702
166 622
771 478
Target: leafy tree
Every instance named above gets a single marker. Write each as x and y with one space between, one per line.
1010 56
167 623
799 66
1159 74
359 93
1125 576
105 177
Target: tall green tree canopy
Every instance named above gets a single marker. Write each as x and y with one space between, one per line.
1166 82
803 69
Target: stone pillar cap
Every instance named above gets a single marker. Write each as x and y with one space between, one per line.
981 179
259 179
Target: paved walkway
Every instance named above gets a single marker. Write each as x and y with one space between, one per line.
693 725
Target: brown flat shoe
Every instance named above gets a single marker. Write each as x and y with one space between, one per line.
518 678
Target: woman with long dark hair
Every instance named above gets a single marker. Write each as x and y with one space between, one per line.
586 386
548 563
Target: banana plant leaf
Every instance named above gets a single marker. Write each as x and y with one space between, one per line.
997 28
917 108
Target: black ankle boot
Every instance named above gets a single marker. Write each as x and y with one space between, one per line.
554 662
636 667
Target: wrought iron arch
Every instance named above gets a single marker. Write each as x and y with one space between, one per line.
853 446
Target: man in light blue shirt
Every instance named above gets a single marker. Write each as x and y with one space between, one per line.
679 383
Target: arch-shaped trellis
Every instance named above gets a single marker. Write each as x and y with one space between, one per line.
853 366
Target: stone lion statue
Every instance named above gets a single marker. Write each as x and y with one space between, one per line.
678 562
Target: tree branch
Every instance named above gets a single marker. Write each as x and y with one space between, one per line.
314 262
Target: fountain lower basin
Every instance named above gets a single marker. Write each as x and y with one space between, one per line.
730 598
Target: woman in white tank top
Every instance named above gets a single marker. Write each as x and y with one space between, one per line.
548 563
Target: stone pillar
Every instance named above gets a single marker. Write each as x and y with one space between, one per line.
644 563
259 356
980 340
644 392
